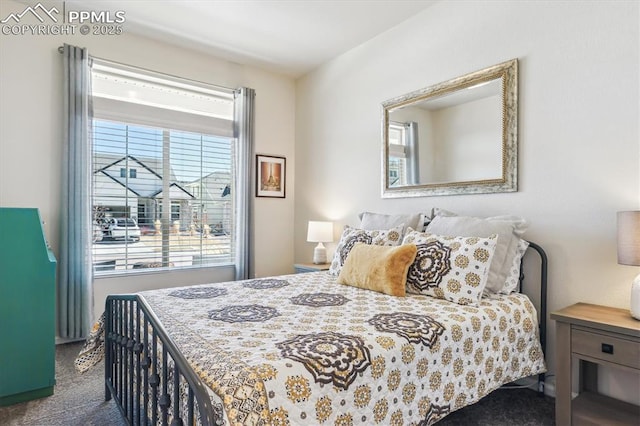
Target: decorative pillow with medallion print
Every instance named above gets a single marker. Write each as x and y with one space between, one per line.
451 268
351 236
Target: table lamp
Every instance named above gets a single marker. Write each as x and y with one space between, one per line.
320 232
629 252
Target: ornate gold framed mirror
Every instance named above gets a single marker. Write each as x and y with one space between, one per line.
455 137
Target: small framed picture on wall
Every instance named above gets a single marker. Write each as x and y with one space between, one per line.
270 176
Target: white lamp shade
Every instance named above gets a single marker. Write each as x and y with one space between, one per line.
629 252
320 232
629 238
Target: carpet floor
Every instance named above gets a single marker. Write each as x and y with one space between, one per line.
79 400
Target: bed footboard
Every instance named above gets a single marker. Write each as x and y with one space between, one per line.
148 378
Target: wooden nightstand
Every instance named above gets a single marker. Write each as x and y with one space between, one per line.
592 335
311 267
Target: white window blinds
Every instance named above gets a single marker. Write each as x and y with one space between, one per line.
152 99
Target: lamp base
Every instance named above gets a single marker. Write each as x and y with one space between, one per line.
319 254
635 298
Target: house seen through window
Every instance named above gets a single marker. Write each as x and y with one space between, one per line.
162 158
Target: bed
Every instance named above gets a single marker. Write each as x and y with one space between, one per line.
304 349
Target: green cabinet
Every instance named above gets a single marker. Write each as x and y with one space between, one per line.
27 308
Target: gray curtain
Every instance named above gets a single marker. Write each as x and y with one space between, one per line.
413 164
75 292
244 134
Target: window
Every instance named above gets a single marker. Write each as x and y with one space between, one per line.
397 155
403 154
175 210
123 173
163 152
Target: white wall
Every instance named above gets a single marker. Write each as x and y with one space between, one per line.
579 157
31 136
468 138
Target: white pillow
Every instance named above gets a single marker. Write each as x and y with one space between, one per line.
508 228
372 221
351 236
514 273
451 268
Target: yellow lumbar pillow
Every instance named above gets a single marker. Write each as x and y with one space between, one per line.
378 268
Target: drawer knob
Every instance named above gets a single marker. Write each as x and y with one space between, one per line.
607 348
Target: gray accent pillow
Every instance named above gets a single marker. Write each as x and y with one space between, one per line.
508 228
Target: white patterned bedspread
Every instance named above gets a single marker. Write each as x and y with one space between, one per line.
302 349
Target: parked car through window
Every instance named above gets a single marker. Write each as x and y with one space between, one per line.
121 228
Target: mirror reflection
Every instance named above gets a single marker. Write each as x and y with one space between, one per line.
455 137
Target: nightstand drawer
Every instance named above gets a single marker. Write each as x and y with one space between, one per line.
606 348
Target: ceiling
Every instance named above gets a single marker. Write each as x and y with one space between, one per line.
286 36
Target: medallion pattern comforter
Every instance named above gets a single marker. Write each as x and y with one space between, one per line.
302 349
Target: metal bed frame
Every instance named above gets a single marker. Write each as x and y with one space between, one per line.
542 311
146 374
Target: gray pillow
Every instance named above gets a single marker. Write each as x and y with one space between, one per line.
508 228
372 221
